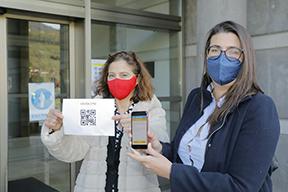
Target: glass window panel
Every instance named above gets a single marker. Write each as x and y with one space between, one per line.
37 52
155 48
158 50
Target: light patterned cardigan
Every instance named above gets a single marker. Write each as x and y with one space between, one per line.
133 177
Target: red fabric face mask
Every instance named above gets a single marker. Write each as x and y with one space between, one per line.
121 88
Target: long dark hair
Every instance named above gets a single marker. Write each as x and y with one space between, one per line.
245 83
144 88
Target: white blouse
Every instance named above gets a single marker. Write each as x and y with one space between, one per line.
193 144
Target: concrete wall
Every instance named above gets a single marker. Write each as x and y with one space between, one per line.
267 22
267 16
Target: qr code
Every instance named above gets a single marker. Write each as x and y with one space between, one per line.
88 117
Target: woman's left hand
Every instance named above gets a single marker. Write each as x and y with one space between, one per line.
125 122
153 161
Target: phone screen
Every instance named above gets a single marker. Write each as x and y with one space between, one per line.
139 129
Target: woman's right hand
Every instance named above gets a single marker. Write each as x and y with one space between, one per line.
54 120
156 145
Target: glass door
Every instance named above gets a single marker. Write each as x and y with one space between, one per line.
159 50
37 52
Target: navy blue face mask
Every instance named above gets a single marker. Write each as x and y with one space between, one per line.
222 70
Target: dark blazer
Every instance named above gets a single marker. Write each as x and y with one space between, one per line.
239 151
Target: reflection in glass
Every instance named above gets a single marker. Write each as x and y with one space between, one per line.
37 52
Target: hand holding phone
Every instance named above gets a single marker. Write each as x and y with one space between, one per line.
139 129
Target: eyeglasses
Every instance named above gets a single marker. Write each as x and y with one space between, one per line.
231 53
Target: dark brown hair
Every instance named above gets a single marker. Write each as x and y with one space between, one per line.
245 83
144 89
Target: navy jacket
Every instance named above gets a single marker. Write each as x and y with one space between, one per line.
239 151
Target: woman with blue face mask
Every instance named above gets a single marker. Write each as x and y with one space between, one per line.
229 130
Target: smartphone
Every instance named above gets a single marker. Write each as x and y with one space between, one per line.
139 129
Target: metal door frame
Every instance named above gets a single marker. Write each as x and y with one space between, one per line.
3 104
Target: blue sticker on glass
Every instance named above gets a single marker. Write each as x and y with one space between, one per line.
41 98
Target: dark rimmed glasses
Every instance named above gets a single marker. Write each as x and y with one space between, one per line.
231 53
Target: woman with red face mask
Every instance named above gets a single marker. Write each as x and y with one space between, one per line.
106 166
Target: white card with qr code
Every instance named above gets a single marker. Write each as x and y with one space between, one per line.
88 117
